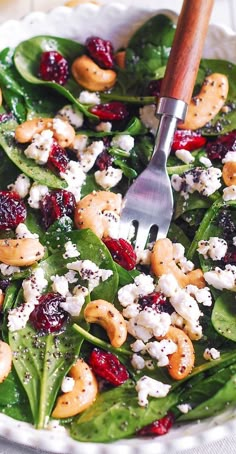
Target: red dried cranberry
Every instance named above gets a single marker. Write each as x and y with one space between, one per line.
122 252
218 148
6 117
153 300
101 51
58 158
107 366
56 204
53 67
159 427
230 256
154 87
48 316
111 111
187 140
12 210
104 160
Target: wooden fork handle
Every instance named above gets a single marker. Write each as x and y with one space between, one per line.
186 50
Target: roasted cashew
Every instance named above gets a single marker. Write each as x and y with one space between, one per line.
5 360
82 395
106 315
2 296
64 136
181 362
89 211
88 74
162 262
229 173
120 59
207 104
21 252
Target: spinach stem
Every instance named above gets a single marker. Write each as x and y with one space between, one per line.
99 342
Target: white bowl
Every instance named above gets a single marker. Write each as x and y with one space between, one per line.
117 23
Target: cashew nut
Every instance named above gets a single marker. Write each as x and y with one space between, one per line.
106 315
88 74
207 104
21 252
89 211
120 59
64 136
5 360
82 395
229 173
163 262
181 362
2 296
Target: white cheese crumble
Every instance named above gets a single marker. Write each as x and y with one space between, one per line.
71 277
108 178
137 346
229 157
202 295
204 181
149 323
161 350
8 270
72 115
185 156
125 142
67 385
71 250
90 272
36 194
34 285
148 117
205 161
22 231
88 156
87 97
21 185
143 257
75 177
60 126
18 317
211 354
229 193
80 143
75 302
222 279
215 248
111 224
147 386
234 240
60 285
40 148
184 408
104 126
137 362
143 285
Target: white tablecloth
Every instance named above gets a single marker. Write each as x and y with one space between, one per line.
224 12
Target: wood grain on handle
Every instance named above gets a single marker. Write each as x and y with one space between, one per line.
187 48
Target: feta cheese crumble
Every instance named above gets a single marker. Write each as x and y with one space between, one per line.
229 157
72 115
18 317
71 250
36 194
22 231
88 156
215 248
8 270
40 147
123 141
90 272
204 181
229 193
108 178
75 302
184 408
148 117
205 161
185 156
222 279
21 185
104 126
211 354
75 177
147 386
34 285
67 385
60 285
87 97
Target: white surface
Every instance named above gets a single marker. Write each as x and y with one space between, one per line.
115 25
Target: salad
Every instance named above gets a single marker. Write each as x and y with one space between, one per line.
97 338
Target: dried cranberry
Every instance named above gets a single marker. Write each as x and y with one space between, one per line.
153 300
4 284
230 256
187 140
58 158
56 204
101 51
53 67
226 223
12 210
218 148
48 316
159 427
6 117
104 160
107 366
111 111
154 87
122 252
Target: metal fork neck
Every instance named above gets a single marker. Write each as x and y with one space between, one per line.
172 107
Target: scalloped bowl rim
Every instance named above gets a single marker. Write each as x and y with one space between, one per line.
185 436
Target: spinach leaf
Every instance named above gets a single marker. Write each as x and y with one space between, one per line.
26 165
224 315
118 409
177 235
27 57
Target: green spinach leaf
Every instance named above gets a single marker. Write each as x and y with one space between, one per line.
224 315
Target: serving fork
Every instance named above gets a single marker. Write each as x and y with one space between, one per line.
148 204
